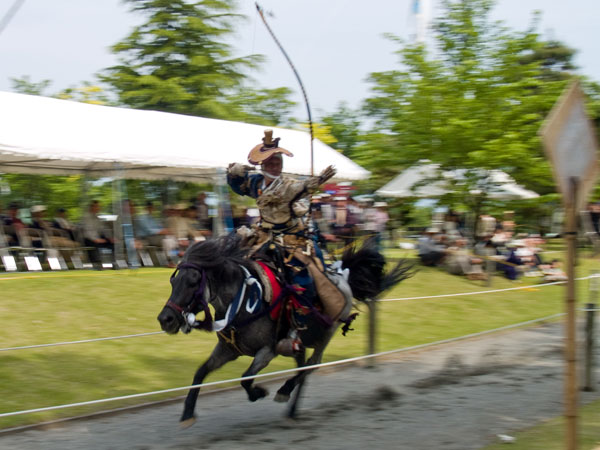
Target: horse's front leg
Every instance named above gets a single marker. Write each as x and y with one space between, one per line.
221 354
261 360
300 379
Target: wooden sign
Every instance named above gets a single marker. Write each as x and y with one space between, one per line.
570 142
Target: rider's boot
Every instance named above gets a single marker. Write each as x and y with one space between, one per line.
289 346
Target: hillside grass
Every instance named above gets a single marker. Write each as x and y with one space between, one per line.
68 306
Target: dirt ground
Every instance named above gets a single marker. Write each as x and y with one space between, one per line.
454 396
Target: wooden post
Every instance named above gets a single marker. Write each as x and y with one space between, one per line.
372 304
588 383
490 265
570 344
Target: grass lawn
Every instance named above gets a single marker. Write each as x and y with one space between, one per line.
55 307
551 435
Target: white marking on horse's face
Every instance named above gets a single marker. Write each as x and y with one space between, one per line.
206 293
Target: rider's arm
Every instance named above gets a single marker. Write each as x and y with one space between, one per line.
241 182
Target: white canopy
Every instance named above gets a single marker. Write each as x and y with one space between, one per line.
41 135
416 181
428 180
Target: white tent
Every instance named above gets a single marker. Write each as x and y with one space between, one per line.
41 135
428 180
416 181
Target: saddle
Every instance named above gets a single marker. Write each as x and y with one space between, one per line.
279 266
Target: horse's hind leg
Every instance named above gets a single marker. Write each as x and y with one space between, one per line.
220 355
283 394
262 358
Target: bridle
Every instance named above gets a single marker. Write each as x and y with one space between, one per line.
198 301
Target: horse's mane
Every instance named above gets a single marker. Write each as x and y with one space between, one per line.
216 252
221 256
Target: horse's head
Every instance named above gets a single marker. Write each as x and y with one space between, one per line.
208 273
189 295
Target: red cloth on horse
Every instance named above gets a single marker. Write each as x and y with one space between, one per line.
275 287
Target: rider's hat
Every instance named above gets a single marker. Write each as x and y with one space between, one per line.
268 148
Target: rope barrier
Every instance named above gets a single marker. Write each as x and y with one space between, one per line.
132 273
83 341
491 291
281 372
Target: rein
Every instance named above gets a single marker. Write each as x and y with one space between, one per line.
253 303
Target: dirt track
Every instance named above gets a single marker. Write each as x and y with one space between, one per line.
456 396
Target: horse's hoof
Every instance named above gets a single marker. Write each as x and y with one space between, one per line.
186 423
281 398
257 393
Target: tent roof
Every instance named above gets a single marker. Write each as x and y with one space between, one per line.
416 181
41 135
428 180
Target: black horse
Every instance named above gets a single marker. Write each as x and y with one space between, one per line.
218 272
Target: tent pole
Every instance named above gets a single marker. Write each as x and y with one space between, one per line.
124 237
223 221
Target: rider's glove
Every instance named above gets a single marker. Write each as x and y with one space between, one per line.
237 170
327 174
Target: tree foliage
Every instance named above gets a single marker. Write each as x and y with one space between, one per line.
178 60
478 103
269 107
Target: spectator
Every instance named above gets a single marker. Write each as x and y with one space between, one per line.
499 239
430 247
240 216
94 233
15 226
458 261
343 224
451 225
61 222
511 270
486 225
508 224
355 216
322 226
202 211
327 210
148 229
194 230
179 227
553 271
39 222
380 218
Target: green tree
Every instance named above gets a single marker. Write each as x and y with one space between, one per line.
477 105
178 60
25 85
345 126
555 58
269 107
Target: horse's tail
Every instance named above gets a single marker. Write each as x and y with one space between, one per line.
367 277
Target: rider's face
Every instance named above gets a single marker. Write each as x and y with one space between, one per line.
273 165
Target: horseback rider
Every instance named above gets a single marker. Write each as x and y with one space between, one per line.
283 203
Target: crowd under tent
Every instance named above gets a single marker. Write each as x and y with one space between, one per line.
47 136
42 135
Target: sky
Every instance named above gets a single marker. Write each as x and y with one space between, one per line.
334 44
